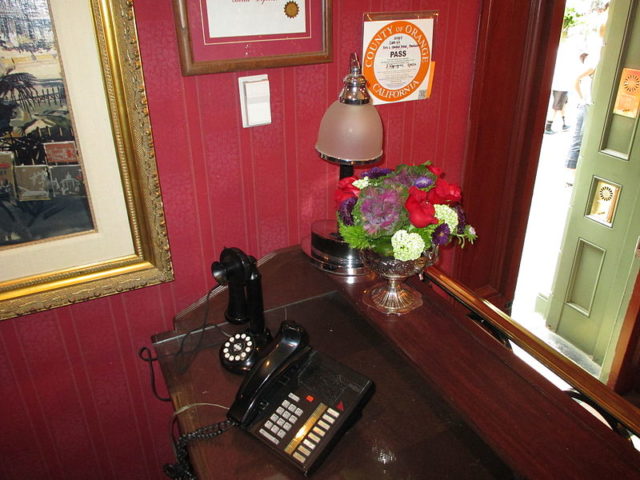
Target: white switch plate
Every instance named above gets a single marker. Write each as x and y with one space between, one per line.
255 100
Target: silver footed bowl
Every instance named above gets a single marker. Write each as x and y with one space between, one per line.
392 295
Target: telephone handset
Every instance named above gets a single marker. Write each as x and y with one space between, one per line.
291 345
297 401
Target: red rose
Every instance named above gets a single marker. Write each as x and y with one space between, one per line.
421 212
435 170
444 192
346 190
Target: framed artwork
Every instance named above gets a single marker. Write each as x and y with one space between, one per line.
81 213
231 35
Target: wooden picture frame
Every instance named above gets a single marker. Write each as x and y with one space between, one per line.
65 275
244 47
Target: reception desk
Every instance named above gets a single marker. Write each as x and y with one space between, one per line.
450 401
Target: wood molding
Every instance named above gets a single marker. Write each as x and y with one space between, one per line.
626 363
516 55
566 369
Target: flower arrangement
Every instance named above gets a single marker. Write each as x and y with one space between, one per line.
401 213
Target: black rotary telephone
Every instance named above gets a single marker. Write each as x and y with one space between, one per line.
239 271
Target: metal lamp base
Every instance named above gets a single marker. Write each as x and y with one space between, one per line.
330 253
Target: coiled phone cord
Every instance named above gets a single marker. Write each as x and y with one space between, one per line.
182 469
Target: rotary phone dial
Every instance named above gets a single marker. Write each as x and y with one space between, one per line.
240 272
239 352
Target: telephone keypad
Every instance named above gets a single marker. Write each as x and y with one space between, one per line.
282 420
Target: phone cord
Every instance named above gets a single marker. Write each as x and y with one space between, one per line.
182 469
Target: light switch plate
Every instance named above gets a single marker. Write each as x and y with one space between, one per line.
255 100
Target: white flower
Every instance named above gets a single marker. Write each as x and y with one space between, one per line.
448 215
361 183
407 246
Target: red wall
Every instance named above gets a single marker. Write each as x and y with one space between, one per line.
74 397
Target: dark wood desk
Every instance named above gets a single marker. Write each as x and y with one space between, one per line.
450 401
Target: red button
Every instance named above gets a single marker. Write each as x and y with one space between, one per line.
340 406
309 398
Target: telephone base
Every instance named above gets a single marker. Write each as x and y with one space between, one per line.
307 415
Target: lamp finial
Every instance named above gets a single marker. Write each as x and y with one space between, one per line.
354 91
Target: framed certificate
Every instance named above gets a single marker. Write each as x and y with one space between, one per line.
230 35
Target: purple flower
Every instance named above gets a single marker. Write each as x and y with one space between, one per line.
462 219
441 235
375 172
401 178
345 210
423 182
380 209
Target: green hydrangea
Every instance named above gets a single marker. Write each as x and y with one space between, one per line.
448 215
361 183
407 246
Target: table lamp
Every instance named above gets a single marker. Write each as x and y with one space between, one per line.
350 134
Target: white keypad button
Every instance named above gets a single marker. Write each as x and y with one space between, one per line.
294 397
332 412
268 436
328 418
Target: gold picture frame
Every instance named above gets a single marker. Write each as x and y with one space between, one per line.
149 261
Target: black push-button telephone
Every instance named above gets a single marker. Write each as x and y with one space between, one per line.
298 401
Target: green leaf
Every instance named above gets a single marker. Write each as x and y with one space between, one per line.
354 235
426 234
382 246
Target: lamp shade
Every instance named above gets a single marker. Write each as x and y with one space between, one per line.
350 134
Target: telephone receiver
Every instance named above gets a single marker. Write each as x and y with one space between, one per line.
240 272
292 345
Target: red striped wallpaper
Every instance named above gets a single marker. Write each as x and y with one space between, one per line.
75 400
